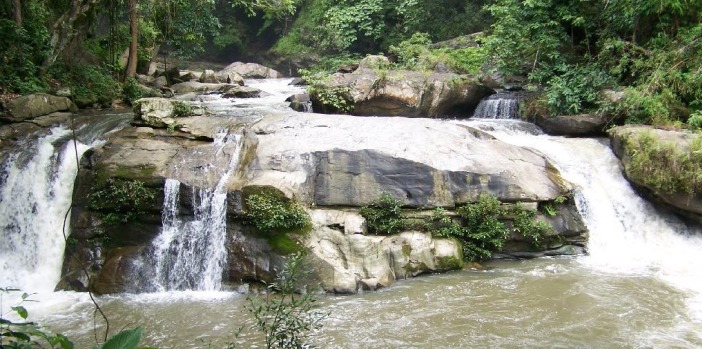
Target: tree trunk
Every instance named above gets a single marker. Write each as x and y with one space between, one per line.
17 12
134 30
62 31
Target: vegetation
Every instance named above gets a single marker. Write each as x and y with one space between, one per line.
664 166
122 201
269 211
285 315
384 215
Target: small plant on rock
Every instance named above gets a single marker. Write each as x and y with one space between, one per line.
121 200
384 215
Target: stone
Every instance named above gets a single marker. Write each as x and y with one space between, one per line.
684 204
64 92
30 106
582 125
208 76
250 71
373 62
298 82
229 77
403 93
157 112
160 81
199 87
346 161
146 79
236 91
300 102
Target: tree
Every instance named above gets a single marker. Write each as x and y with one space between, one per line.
133 46
62 31
17 12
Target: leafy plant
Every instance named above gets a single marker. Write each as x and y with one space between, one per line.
384 215
284 315
526 224
181 109
695 120
269 211
122 201
27 335
131 91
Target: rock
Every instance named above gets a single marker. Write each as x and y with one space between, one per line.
157 112
230 78
236 91
146 79
250 71
459 42
208 76
374 62
153 69
300 102
348 263
52 119
583 125
625 144
347 68
38 104
346 161
64 92
402 93
160 81
199 87
298 82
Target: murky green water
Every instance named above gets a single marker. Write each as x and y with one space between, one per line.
547 303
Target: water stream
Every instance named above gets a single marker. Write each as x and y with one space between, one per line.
640 286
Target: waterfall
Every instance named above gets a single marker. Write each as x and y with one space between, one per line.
190 252
627 234
498 106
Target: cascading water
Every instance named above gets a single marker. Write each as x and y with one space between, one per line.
627 234
498 106
36 185
190 253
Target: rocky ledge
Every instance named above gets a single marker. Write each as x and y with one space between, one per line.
331 166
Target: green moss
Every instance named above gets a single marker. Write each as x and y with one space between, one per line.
181 109
406 250
421 267
665 166
449 263
283 244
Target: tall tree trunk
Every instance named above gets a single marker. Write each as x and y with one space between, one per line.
62 31
17 12
134 30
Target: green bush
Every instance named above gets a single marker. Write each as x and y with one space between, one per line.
695 120
21 51
384 215
122 201
573 89
526 224
269 211
181 109
131 91
90 84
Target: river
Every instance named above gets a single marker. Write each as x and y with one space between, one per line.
639 287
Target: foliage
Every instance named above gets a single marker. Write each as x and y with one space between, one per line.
384 215
415 53
269 211
525 223
479 227
283 315
573 89
131 91
664 166
27 335
181 109
695 120
89 83
122 201
21 51
330 98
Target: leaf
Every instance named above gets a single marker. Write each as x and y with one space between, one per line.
21 311
126 339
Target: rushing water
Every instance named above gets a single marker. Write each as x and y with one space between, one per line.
498 106
640 286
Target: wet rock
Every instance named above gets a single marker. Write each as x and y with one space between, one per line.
250 71
236 91
33 105
208 76
199 87
583 125
157 112
300 102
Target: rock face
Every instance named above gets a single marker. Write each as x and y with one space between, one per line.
626 144
398 92
583 125
331 166
34 105
249 71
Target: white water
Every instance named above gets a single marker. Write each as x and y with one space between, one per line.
34 200
628 236
190 254
497 107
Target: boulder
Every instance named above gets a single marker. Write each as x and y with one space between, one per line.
401 93
665 180
158 112
348 161
208 76
160 81
300 102
349 263
372 62
250 71
230 78
298 82
583 125
236 91
30 106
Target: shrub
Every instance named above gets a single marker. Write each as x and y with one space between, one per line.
269 211
573 89
526 224
384 215
695 120
89 83
181 109
122 201
284 316
131 91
